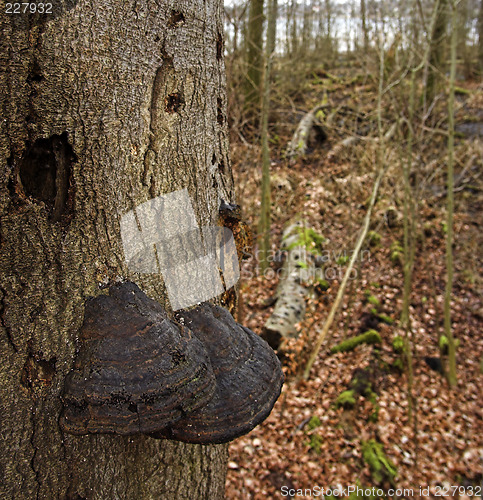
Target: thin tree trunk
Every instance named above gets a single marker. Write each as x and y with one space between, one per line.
104 106
307 28
265 195
328 9
480 36
438 52
409 247
288 46
293 30
450 207
462 48
254 57
365 32
367 220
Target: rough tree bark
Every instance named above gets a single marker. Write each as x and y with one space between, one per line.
104 106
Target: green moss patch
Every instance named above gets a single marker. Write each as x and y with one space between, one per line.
397 253
372 299
381 466
373 238
369 337
345 399
382 317
342 260
309 239
316 443
313 423
398 344
444 344
322 284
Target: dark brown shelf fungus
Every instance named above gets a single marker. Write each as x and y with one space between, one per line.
248 375
136 371
204 379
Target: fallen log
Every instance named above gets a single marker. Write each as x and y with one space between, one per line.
300 245
299 143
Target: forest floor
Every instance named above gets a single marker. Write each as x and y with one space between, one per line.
308 443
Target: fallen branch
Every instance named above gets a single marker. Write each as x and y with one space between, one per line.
353 139
345 143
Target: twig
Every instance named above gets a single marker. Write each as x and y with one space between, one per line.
340 292
382 169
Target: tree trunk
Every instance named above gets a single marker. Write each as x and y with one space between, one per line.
298 270
365 32
254 58
462 49
328 11
105 106
265 212
480 36
293 28
448 329
437 54
307 28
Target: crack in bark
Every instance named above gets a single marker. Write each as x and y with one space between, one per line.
34 454
7 329
158 88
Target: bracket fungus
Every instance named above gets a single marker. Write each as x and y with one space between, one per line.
136 371
248 375
201 379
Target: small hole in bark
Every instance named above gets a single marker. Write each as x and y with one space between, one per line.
73 495
219 47
157 39
46 172
219 112
38 170
176 18
35 74
221 167
173 102
213 159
